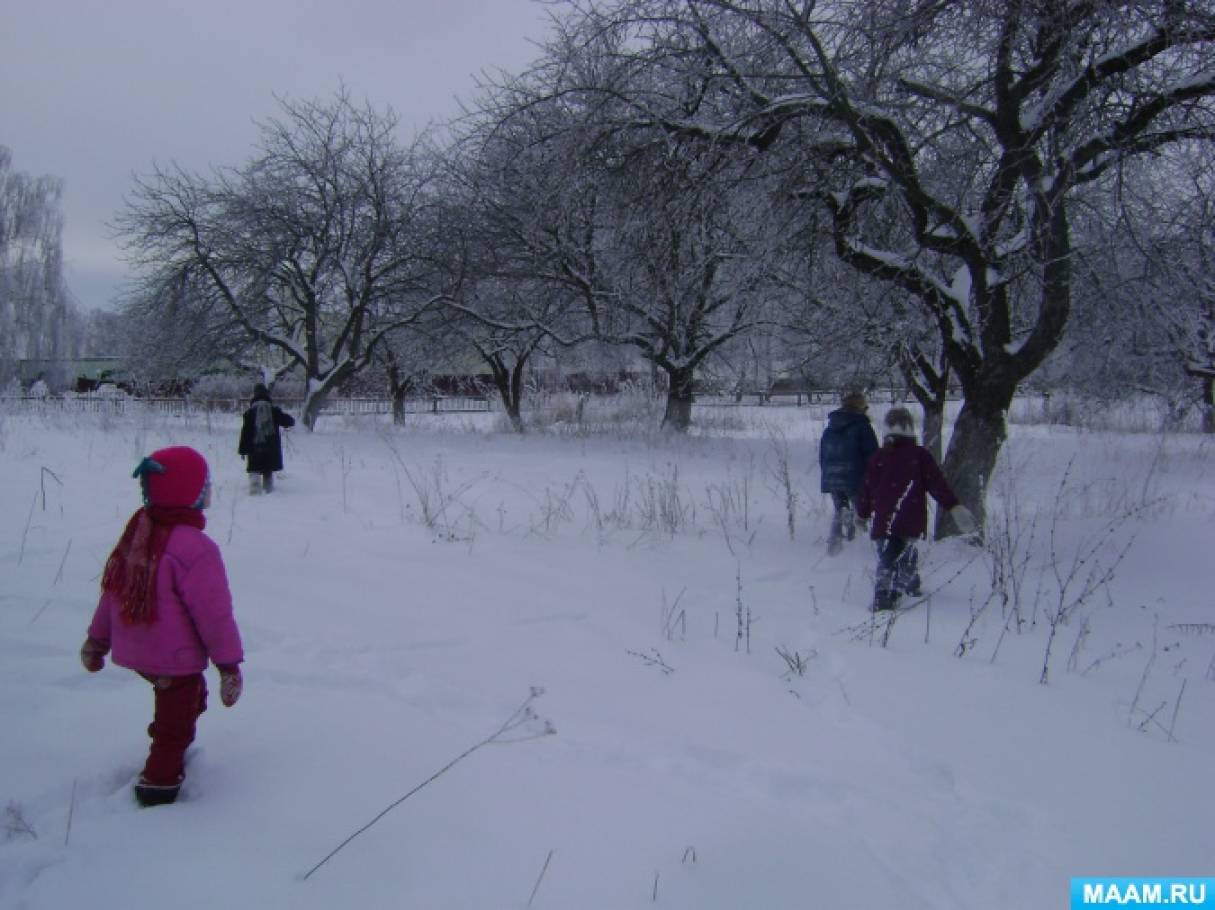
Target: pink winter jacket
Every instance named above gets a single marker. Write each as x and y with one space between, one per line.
194 618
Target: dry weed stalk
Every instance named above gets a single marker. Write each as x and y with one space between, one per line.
522 726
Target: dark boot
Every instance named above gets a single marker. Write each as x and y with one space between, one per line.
885 600
149 794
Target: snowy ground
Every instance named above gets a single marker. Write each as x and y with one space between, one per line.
403 590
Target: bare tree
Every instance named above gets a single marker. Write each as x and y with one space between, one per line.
649 241
486 322
407 360
171 326
1178 241
503 215
1143 303
688 260
315 247
37 317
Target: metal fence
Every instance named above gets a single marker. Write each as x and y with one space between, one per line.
763 399
829 397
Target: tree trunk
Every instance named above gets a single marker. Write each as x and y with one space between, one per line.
678 416
511 404
509 382
314 401
516 419
934 427
930 386
398 389
401 385
318 389
1208 404
974 448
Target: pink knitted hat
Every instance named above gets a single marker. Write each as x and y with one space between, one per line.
174 476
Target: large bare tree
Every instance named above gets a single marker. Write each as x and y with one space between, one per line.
316 248
648 241
509 196
688 258
981 122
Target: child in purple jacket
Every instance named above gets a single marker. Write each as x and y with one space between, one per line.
900 477
165 609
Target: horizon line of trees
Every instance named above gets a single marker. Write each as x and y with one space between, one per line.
974 195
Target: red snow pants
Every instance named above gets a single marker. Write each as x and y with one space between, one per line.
179 701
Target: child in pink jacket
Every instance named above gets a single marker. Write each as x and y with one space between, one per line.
165 609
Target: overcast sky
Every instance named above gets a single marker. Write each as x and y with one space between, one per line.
93 91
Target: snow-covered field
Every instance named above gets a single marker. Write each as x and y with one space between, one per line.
403 592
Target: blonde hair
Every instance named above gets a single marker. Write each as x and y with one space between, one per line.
854 400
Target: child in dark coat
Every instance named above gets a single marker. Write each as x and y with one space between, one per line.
843 452
900 477
260 442
165 610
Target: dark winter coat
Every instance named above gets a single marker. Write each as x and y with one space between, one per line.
263 450
900 477
844 451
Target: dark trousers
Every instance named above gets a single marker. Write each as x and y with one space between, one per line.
843 522
897 572
179 701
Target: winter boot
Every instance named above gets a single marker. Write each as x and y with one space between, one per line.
149 794
255 484
885 593
267 482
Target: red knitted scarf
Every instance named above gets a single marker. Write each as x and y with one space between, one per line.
130 572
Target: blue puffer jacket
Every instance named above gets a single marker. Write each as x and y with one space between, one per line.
844 451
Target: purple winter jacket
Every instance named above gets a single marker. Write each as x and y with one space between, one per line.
899 475
194 618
